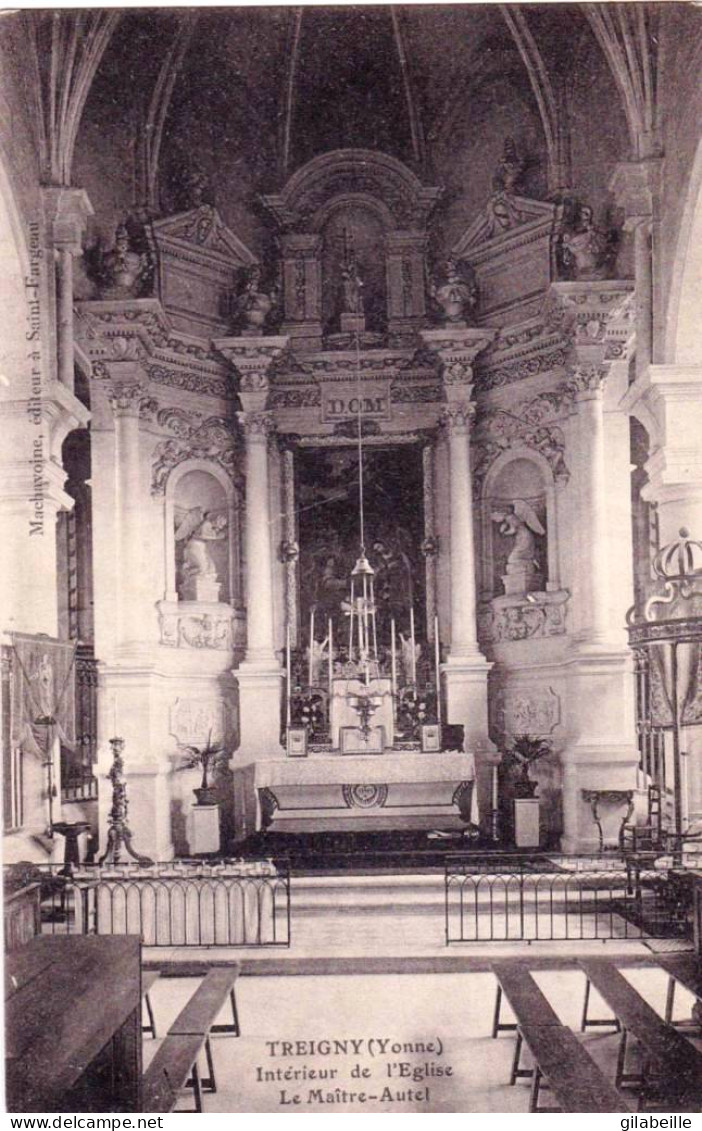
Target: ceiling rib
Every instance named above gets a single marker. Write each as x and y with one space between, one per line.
416 130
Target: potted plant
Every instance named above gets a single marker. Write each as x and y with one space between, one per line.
208 758
525 750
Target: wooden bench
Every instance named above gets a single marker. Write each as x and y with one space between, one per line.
575 1080
687 970
558 1055
527 1002
173 1068
175 1065
672 1067
148 977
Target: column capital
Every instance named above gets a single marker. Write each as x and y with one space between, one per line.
457 350
597 318
256 425
636 188
66 212
252 358
125 398
457 417
586 382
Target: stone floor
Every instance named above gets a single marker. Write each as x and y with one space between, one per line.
431 1021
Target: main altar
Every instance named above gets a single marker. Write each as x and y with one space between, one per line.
362 466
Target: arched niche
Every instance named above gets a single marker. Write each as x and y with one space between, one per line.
198 486
520 476
355 226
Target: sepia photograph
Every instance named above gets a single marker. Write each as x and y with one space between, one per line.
351 559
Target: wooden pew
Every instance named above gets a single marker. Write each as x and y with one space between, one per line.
672 1067
685 969
576 1081
175 1065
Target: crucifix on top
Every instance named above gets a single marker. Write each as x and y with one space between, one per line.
352 313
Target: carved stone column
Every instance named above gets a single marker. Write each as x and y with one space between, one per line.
260 674
126 395
636 187
466 670
600 747
668 400
66 211
260 645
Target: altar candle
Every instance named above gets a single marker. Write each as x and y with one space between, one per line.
288 668
311 651
331 656
414 654
351 612
393 659
494 789
437 664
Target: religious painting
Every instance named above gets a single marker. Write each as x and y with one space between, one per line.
329 523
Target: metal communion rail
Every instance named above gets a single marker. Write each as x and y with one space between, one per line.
172 904
504 899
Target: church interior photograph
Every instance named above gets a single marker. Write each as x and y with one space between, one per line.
351 701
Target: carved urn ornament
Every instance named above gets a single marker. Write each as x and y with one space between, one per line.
254 305
123 272
457 295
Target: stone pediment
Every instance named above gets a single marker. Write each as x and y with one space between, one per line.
198 257
510 248
203 228
521 216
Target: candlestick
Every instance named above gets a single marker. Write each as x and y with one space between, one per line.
331 657
288 668
437 665
494 789
311 650
393 661
413 658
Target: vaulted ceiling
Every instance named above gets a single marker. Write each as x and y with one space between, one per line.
250 94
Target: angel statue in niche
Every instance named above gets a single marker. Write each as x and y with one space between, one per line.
198 529
519 520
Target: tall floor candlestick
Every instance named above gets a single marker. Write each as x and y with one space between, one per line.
437 665
310 665
288 669
414 652
393 661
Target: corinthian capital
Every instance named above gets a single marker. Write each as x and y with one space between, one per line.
457 350
256 425
457 417
587 381
251 359
126 398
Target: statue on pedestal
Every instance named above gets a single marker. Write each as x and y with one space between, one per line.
520 521
502 210
198 529
588 252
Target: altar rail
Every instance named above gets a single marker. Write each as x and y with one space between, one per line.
171 904
529 898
